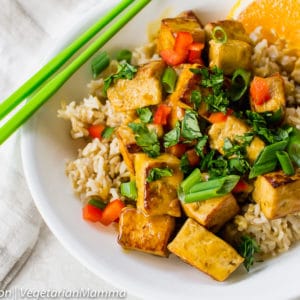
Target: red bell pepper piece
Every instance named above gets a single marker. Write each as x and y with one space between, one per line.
95 131
259 90
195 50
161 114
241 186
112 212
92 213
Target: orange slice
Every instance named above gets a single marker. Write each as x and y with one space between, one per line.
278 18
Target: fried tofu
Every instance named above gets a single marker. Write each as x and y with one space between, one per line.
148 234
230 129
229 56
143 90
212 213
234 30
202 249
128 145
277 101
160 196
277 194
187 22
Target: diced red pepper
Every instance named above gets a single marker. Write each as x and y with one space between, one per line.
92 213
112 212
182 42
172 58
218 117
195 50
177 150
259 90
161 114
95 131
193 157
179 53
241 186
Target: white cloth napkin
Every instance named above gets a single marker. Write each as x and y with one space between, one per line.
19 220
27 27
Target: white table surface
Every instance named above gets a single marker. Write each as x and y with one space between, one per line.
28 30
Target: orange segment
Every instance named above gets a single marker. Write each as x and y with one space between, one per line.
275 16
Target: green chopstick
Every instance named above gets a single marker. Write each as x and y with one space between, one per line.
38 99
54 64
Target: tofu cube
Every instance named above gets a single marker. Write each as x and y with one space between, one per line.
213 213
202 249
148 234
277 194
234 30
186 22
128 146
230 56
160 196
231 128
143 90
277 101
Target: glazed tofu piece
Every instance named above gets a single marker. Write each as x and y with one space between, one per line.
234 30
230 56
143 90
148 234
187 22
277 101
128 145
231 128
158 197
277 194
212 213
202 249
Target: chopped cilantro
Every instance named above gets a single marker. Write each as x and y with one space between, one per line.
248 248
190 128
125 71
201 144
158 173
185 166
146 139
172 137
145 114
196 98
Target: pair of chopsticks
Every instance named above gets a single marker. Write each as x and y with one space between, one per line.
36 81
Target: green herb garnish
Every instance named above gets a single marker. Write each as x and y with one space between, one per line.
158 173
125 71
125 55
219 35
200 145
99 63
146 139
145 114
190 128
169 79
196 98
248 248
172 137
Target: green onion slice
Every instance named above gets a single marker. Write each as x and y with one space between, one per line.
128 189
190 181
239 84
209 189
97 203
169 79
267 160
124 54
219 35
293 148
285 162
99 63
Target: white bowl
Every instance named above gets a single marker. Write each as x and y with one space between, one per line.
46 145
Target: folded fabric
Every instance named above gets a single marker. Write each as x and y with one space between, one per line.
19 219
